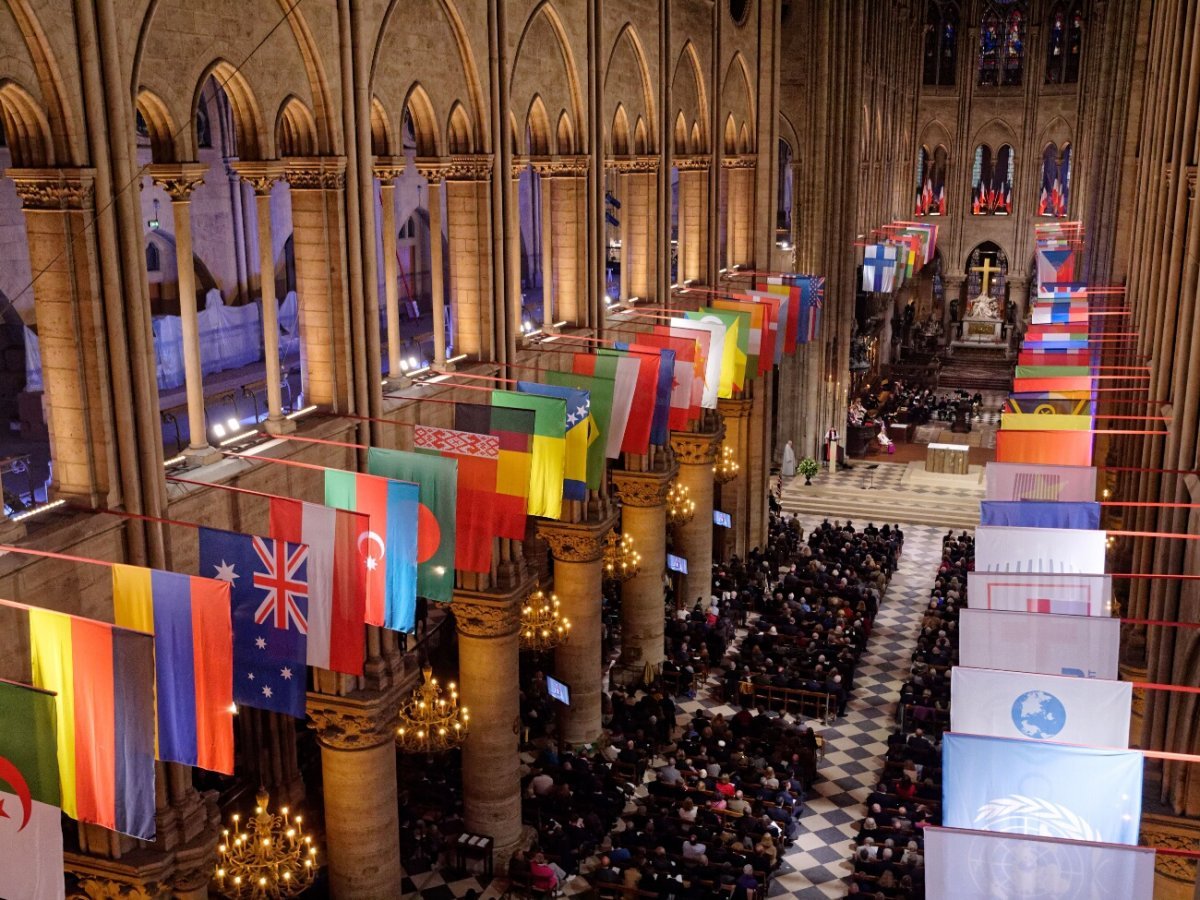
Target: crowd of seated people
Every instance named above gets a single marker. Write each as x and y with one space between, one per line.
919 406
888 852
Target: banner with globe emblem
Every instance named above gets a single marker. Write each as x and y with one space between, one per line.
1088 711
1045 789
1080 646
981 865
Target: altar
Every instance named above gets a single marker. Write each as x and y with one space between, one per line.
982 331
984 322
949 459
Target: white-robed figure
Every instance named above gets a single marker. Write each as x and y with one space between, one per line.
884 440
788 468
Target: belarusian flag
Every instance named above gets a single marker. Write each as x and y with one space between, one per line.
31 862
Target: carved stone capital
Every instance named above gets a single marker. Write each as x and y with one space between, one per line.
480 615
54 188
431 168
178 179
260 174
355 722
644 488
734 409
103 889
473 167
692 163
633 164
697 448
388 168
747 161
577 543
1176 833
561 166
316 173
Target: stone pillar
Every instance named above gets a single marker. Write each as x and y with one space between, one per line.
488 654
513 246
578 570
469 235
696 452
262 176
739 236
59 207
546 221
318 194
693 217
387 170
735 494
358 767
1018 293
179 180
432 172
643 517
952 293
568 175
638 215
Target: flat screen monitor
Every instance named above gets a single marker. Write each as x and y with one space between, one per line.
558 690
677 564
722 519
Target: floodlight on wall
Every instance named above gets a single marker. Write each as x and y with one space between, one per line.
154 224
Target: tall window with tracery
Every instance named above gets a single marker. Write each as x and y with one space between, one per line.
1001 43
991 181
1064 43
931 181
1056 181
941 42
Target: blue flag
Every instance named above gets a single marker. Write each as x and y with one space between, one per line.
268 589
1039 514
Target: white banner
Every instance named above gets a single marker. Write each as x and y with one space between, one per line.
985 865
1084 711
1031 481
1000 548
1067 595
1075 646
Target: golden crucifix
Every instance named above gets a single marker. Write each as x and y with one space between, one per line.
987 270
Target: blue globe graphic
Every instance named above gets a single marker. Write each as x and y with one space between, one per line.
1039 715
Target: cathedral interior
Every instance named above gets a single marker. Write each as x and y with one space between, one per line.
243 242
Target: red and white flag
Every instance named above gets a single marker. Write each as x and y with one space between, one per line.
336 579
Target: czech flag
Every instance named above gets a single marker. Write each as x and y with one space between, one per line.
193 660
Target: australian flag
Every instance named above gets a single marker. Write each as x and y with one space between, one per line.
268 587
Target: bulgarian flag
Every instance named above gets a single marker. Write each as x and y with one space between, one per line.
31 862
624 371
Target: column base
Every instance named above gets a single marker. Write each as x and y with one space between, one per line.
204 455
282 425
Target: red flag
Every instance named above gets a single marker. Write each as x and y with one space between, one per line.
476 511
685 373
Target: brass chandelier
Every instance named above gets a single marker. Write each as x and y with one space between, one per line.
266 857
429 722
621 561
543 627
725 469
681 508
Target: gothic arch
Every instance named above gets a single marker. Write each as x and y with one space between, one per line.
691 96
424 121
566 134
26 127
249 127
458 131
737 97
322 113
295 129
546 14
627 40
680 136
164 133
537 123
56 113
744 145
731 136
935 133
641 137
383 138
1057 132
994 133
619 140
788 134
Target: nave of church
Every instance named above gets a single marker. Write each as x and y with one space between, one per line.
408 403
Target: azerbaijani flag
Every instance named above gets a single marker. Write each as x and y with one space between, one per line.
31 864
388 547
191 622
437 478
549 449
337 579
104 679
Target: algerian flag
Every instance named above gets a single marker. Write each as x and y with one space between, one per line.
31 861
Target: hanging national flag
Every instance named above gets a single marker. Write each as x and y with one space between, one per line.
753 324
580 433
879 268
549 449
778 306
437 479
191 622
624 371
268 585
600 393
31 863
812 311
1055 264
513 430
665 376
388 547
1062 290
337 579
787 286
736 345
641 409
708 359
683 375
103 679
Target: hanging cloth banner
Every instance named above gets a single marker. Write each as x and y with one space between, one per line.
1032 707
1076 646
1019 481
1069 594
1039 514
1044 447
1037 550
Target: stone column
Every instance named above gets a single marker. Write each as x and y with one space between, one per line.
1018 293
318 194
643 517
578 551
262 176
693 217
488 654
638 213
179 180
59 207
358 767
739 236
734 494
546 222
513 246
387 170
469 234
432 171
568 175
952 293
696 452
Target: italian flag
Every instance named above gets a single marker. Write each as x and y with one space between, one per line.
31 862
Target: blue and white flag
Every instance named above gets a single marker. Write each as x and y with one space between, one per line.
1076 646
1005 549
981 865
268 588
1039 514
1049 790
1088 711
879 268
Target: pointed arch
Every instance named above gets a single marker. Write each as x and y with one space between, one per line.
458 130
681 136
424 121
934 133
252 139
698 142
628 34
383 138
619 137
57 115
566 134
322 113
641 142
546 9
26 127
737 96
537 124
295 129
688 63
744 139
731 136
160 125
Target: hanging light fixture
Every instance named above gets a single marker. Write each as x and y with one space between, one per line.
429 722
681 508
268 856
543 627
725 469
621 561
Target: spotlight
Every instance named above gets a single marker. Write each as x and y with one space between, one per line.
219 430
233 425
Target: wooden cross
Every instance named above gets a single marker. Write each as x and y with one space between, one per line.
987 270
